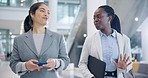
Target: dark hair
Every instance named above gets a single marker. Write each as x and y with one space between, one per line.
115 22
109 10
28 22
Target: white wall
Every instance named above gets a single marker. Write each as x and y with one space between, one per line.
92 5
144 34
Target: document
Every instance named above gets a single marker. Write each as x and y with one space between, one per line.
96 67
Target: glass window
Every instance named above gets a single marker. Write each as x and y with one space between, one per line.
4 41
66 12
16 3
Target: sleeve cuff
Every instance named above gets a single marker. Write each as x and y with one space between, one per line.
57 62
123 71
24 67
20 68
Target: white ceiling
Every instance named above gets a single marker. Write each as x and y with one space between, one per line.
127 10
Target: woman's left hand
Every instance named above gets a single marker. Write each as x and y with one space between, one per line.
123 62
50 63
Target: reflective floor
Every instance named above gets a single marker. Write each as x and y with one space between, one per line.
5 71
70 72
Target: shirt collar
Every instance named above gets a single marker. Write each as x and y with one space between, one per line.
113 34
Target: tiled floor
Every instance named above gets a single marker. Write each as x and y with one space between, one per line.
70 72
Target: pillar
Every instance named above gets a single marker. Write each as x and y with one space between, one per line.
52 24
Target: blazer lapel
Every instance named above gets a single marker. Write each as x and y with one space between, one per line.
99 47
48 39
29 42
120 43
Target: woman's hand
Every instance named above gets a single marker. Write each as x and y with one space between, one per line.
50 64
123 62
31 66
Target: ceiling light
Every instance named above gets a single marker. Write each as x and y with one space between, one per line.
84 35
136 18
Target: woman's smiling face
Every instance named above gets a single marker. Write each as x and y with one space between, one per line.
41 15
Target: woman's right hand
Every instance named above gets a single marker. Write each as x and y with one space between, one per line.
31 66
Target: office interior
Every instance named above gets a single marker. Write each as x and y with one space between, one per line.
74 19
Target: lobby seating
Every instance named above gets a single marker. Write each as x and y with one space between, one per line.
140 69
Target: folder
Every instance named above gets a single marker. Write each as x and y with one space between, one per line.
96 67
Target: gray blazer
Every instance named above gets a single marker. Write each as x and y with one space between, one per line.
53 47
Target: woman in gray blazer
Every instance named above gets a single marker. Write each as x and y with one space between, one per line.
39 52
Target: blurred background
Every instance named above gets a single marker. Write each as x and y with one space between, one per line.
74 19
